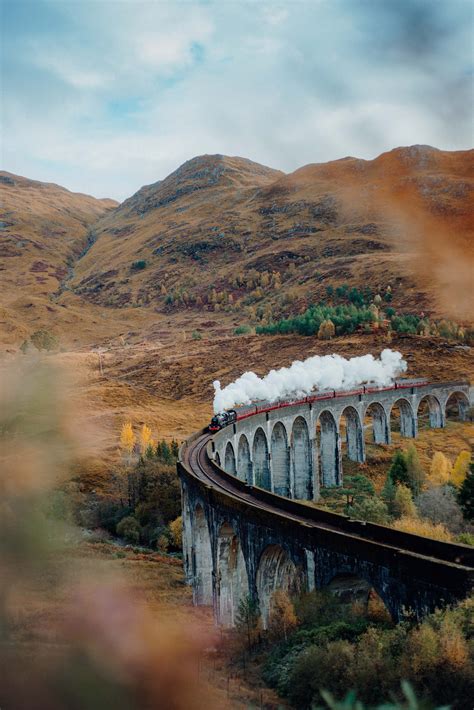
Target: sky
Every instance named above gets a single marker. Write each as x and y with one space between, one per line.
104 96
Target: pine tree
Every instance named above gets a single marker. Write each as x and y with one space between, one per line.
466 495
460 468
145 438
388 494
415 472
440 470
127 439
398 471
174 449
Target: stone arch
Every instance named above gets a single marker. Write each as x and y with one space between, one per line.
457 407
405 422
303 485
244 463
375 420
202 558
260 460
351 588
330 453
280 460
217 458
229 459
354 437
429 412
276 570
233 584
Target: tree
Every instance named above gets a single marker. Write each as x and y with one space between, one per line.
145 438
439 470
460 468
415 472
248 619
25 346
282 616
398 471
127 439
129 528
466 495
373 510
356 488
403 505
439 505
176 532
326 330
388 494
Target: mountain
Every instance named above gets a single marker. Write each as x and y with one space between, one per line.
210 230
229 236
44 229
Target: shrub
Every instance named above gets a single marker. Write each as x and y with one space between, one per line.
423 528
326 330
439 505
44 340
129 529
176 532
242 330
373 510
138 265
196 336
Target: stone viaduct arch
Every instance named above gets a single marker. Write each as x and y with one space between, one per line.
276 570
280 460
202 558
330 450
302 462
261 461
244 463
229 459
459 402
406 420
377 416
354 434
232 579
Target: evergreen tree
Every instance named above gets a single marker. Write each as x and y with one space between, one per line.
248 617
174 449
388 494
398 471
466 495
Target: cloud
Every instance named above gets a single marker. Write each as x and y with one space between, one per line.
106 96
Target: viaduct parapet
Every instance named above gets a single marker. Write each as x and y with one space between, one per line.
248 531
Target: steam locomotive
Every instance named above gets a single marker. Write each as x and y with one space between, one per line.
223 419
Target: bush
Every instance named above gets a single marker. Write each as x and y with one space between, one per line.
423 528
242 330
196 336
139 265
44 340
439 505
129 529
373 510
176 532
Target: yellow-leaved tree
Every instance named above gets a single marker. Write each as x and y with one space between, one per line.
460 468
127 439
145 438
440 470
282 616
176 530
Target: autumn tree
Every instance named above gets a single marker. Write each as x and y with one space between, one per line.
416 475
403 505
145 439
127 439
282 617
460 468
176 532
327 330
440 470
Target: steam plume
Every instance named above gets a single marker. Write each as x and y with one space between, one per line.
301 378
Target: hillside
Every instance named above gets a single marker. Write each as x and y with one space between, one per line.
224 234
44 229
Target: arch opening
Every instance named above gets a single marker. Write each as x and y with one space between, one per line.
261 465
402 419
202 559
457 407
276 570
353 590
232 576
229 459
303 484
429 413
329 450
280 460
217 458
376 427
244 464
352 438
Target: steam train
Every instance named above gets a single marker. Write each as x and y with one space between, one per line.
222 419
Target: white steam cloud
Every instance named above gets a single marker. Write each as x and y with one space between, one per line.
301 378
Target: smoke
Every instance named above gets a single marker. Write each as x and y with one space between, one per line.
322 373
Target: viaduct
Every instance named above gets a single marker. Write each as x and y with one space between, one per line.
248 528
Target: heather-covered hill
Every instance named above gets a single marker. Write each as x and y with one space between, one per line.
230 235
44 229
